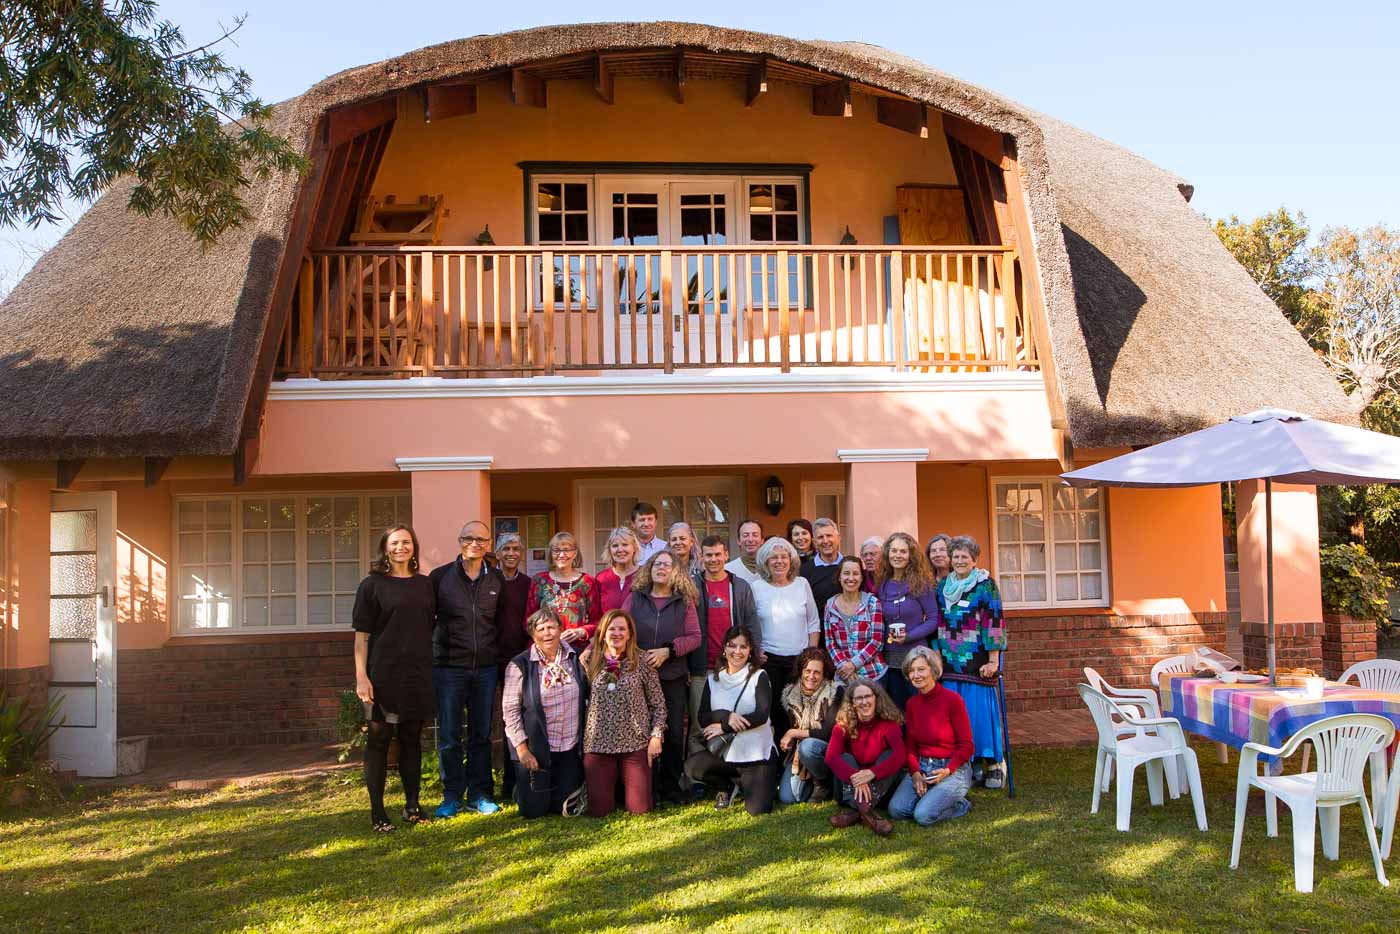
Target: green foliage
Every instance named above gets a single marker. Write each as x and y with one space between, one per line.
350 725
24 729
1273 250
90 91
1354 585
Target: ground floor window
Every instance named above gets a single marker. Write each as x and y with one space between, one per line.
712 506
277 561
1049 543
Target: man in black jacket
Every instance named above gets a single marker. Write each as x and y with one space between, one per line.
465 655
822 567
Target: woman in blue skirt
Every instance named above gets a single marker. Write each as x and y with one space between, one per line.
971 638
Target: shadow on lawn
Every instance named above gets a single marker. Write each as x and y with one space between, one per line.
253 859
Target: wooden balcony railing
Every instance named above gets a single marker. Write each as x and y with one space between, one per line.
515 311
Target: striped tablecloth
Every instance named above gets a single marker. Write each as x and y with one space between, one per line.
1237 714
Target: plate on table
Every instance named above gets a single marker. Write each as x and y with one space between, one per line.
1232 677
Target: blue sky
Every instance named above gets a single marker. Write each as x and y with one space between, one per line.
1257 103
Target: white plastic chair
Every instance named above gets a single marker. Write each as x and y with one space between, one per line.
1183 664
1141 704
1154 739
1343 746
1379 674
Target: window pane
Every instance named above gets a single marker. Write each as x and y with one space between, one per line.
344 607
761 228
73 531
192 548
218 514
347 544
72 574
1064 526
1089 525
1090 556
347 511
1066 587
318 513
72 617
761 199
191 515
1007 496
347 578
786 228
284 546
282 514
1064 498
219 580
318 577
254 579
381 511
1033 588
254 546
672 511
1010 588
318 611
1008 559
218 547
1089 498
283 578
254 514
1008 528
255 611
1033 528
603 515
1033 557
1091 586
318 545
549 196
785 197
551 228
283 611
1065 558
576 228
576 197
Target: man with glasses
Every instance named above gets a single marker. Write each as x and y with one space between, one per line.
466 650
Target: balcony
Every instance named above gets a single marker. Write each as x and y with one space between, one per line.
463 312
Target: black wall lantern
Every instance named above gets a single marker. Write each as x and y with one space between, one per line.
773 495
485 239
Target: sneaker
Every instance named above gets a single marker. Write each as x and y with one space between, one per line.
722 800
483 806
448 809
993 778
978 772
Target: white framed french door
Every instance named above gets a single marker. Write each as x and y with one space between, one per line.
82 631
675 213
712 506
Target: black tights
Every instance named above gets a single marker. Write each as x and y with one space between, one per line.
409 733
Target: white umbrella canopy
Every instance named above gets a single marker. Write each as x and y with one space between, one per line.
1268 445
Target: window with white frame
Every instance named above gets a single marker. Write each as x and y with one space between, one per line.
1049 543
278 561
826 499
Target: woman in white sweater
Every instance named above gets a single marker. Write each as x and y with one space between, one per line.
739 755
788 618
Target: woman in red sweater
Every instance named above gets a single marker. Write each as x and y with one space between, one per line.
866 754
938 737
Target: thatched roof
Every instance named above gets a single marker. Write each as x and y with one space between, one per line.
126 340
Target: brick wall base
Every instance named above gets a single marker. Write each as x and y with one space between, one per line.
274 689
32 683
1048 654
1346 641
1296 645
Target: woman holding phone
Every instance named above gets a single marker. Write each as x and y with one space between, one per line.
938 746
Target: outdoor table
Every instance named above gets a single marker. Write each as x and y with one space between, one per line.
1258 713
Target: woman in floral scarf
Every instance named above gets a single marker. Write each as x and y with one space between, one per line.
570 593
626 718
971 638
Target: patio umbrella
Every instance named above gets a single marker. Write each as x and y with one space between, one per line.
1268 445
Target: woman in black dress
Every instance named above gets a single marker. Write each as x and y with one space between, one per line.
393 619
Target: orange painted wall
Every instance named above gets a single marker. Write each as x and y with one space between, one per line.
27 641
1297 570
857 162
1166 550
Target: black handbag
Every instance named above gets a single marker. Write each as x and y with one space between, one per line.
719 745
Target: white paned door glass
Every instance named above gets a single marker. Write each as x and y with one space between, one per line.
82 630
712 506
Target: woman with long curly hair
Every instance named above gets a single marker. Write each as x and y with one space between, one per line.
909 605
393 620
626 718
866 754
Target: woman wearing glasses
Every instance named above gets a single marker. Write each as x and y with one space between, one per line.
543 707
570 593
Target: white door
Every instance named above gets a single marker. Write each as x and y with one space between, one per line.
82 631
712 506
648 212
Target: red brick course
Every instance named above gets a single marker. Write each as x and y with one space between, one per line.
1346 641
1047 654
32 683
1296 645
273 689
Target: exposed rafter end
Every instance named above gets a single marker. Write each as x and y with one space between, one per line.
832 100
1064 448
156 468
68 471
526 89
602 79
245 459
909 116
757 82
680 76
345 123
444 101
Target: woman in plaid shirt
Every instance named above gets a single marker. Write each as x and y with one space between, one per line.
855 626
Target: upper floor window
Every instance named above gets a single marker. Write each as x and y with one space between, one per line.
1049 543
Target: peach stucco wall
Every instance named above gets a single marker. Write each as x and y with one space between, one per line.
1297 571
473 160
27 641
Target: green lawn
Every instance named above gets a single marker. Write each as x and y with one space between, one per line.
295 857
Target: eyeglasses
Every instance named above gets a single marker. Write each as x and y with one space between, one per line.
563 551
473 540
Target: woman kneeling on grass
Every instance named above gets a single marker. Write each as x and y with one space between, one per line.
734 712
811 703
866 754
939 740
626 718
393 620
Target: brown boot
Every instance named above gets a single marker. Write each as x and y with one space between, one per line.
877 824
845 818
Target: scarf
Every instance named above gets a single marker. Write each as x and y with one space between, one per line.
750 562
808 710
955 588
554 674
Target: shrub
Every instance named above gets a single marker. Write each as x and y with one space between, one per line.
23 732
350 725
1354 585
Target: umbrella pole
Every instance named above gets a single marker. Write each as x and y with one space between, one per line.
1269 574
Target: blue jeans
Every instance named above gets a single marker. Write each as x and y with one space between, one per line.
469 691
944 801
811 753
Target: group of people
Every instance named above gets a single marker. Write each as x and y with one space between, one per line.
791 671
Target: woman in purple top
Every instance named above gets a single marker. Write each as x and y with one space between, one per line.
909 603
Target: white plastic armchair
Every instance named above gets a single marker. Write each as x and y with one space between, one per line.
1343 744
1379 674
1142 704
1152 740
1182 664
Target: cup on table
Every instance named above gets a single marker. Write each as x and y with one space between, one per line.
896 632
1312 687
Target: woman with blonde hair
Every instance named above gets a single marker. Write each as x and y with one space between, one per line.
662 605
626 718
866 754
565 589
615 581
909 605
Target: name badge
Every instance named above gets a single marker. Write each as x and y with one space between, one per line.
897 601
963 603
612 686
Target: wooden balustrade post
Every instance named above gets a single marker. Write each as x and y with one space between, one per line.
668 352
901 353
306 330
428 316
1008 303
784 325
547 283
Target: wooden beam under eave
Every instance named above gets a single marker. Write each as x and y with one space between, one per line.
680 76
68 471
246 458
602 79
909 116
345 123
832 100
445 101
155 468
757 82
527 90
987 143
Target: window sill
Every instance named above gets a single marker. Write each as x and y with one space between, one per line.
1025 612
244 637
